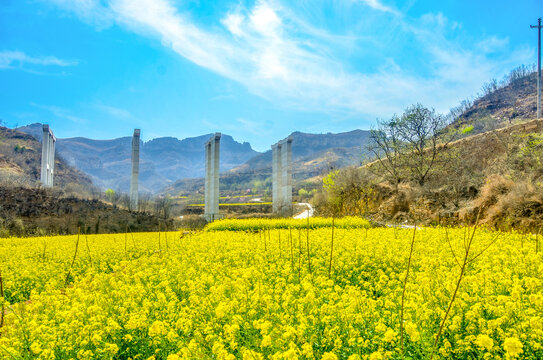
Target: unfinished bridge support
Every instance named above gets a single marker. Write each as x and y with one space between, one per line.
47 156
135 170
212 178
282 177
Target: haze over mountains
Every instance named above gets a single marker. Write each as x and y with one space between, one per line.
307 147
164 161
312 154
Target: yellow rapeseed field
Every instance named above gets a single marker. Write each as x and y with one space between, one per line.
348 222
273 294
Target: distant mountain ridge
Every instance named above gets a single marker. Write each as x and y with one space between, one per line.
162 160
312 154
309 147
167 163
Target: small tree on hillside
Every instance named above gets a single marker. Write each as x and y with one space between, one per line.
388 149
348 191
407 147
111 196
144 202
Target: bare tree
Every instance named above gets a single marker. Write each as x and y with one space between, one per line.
144 202
490 87
163 206
407 147
457 113
423 130
349 191
388 149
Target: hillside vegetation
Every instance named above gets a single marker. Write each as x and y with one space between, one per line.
493 170
36 211
504 103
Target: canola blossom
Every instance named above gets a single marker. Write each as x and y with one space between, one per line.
256 224
277 294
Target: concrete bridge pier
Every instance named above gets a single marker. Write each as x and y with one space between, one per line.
212 178
47 156
135 170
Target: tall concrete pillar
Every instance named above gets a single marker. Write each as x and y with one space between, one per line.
207 178
135 170
47 156
277 192
212 178
52 143
282 176
286 176
45 153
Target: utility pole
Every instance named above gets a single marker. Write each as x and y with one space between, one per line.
538 27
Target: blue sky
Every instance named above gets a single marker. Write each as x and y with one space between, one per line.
256 70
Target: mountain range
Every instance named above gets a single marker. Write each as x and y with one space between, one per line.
312 155
165 162
162 160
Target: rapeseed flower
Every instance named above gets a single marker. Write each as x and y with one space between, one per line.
228 294
484 342
512 347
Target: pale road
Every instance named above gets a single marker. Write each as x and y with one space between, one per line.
306 213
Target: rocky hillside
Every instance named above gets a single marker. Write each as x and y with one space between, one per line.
493 172
162 160
512 101
20 163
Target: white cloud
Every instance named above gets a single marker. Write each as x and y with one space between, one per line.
18 59
493 44
264 20
95 12
233 23
377 5
262 48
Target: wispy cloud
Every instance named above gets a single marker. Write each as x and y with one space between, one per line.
113 111
95 12
20 60
276 55
378 5
241 126
60 112
255 127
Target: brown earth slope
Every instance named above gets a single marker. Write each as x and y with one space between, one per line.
513 102
20 163
30 211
